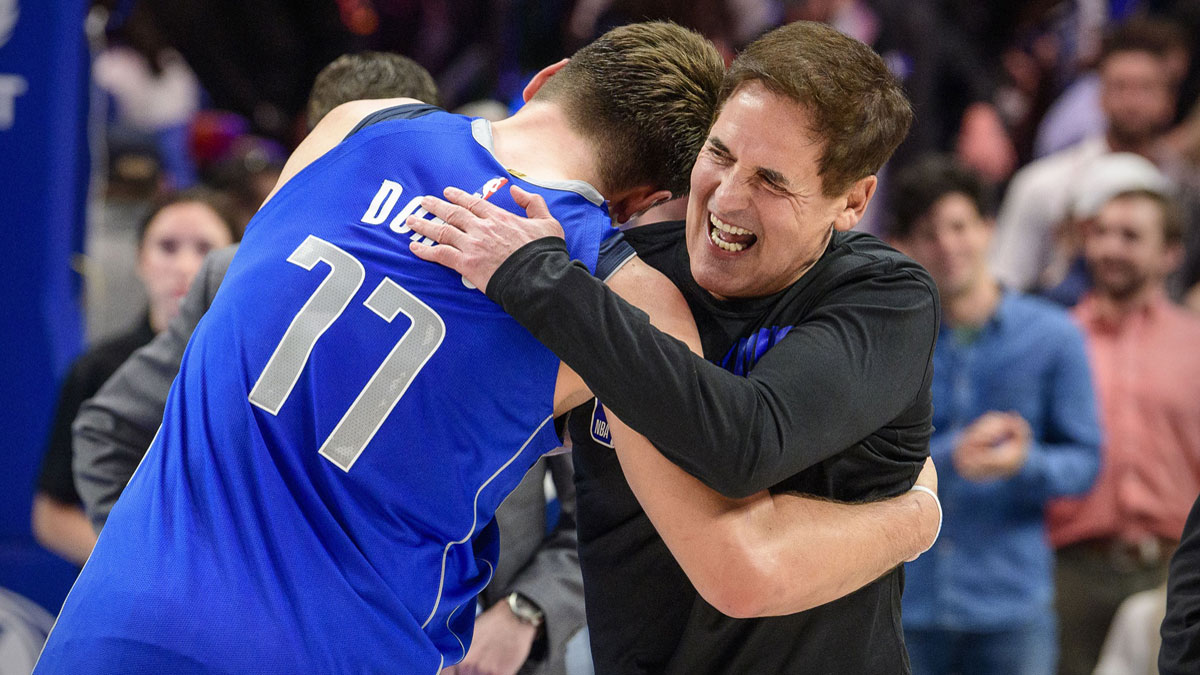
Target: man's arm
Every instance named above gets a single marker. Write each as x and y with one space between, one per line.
115 427
851 367
770 555
766 554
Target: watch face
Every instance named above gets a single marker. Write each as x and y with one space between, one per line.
525 610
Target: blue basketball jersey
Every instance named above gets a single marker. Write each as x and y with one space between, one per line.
346 420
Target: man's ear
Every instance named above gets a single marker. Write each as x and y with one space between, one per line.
857 199
634 201
540 79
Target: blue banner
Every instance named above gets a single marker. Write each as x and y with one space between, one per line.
44 82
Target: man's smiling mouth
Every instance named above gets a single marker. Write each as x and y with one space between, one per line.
729 237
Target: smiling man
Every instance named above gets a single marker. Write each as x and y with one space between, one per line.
818 343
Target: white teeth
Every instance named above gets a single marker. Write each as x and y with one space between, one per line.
719 224
722 225
732 248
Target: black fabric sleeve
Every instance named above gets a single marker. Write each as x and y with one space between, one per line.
55 479
1180 653
854 364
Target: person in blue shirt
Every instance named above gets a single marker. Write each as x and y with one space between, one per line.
1015 426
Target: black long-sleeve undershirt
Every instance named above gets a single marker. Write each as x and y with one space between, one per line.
853 367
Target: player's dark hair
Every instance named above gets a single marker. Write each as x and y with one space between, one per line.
918 187
645 94
368 75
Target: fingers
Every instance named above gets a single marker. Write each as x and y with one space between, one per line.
534 205
472 203
447 256
439 230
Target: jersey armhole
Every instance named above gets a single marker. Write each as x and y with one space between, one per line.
614 253
404 111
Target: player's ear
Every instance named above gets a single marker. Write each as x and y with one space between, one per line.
540 79
635 201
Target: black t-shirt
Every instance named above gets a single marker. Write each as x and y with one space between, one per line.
89 372
824 390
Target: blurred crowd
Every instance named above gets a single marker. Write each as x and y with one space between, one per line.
1050 184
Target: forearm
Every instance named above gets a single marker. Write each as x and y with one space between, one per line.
62 528
769 555
739 435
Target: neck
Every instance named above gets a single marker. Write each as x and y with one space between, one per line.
1114 308
539 141
974 305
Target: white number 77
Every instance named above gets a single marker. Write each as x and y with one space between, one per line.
377 399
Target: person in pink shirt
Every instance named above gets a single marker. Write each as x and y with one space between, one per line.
1117 540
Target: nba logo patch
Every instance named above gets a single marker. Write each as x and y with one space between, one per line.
599 429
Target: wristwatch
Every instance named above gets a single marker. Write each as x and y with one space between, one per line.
526 611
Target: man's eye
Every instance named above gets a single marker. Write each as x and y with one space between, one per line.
719 155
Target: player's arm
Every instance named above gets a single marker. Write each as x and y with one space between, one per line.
331 130
766 554
774 554
647 289
866 349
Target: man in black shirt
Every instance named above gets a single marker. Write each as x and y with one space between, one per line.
819 341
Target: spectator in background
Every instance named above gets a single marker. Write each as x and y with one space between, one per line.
368 75
1138 98
173 240
1078 113
1015 421
1117 540
1066 279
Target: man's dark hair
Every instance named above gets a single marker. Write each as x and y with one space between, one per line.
857 106
645 94
1158 37
919 186
368 75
